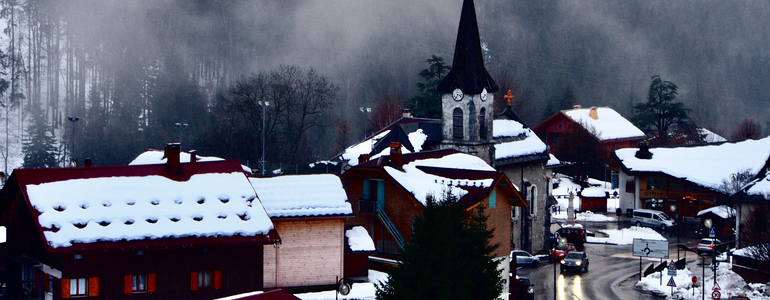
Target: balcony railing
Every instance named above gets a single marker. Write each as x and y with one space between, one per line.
367 206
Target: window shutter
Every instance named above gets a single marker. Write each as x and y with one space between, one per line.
217 280
150 283
65 288
93 286
194 281
128 284
367 189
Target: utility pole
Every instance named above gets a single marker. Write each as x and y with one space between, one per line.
73 119
181 127
264 105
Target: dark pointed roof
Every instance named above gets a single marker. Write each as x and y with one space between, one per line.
395 135
468 72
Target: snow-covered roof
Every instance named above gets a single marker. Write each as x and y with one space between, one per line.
593 192
711 137
127 208
153 156
746 251
421 183
2 234
302 195
723 211
359 239
526 141
417 138
760 187
552 161
610 125
705 165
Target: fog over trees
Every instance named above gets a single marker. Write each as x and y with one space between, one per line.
131 69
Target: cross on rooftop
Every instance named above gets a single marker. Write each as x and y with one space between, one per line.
509 97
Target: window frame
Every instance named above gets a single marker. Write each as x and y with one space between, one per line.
458 127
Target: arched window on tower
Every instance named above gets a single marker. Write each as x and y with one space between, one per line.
483 123
457 123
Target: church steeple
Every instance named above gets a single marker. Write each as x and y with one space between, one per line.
468 72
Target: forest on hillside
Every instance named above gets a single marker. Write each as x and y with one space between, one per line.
299 72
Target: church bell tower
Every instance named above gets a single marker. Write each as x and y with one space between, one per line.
467 101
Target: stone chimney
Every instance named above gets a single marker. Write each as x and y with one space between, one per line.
593 113
87 163
171 154
193 156
577 106
644 151
407 113
395 154
363 158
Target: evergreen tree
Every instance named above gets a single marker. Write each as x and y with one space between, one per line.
428 103
448 257
39 149
660 115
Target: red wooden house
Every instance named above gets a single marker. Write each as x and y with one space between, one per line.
164 231
389 192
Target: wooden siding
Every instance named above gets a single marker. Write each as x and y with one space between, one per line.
310 253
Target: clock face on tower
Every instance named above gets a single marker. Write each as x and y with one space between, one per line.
457 94
484 95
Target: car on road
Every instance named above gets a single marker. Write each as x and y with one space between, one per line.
653 219
577 261
559 252
522 288
575 234
707 245
524 258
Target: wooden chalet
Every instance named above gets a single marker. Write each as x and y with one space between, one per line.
309 211
389 192
179 230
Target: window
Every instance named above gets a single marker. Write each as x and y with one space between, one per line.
514 214
457 123
80 287
205 280
483 123
141 283
493 198
533 200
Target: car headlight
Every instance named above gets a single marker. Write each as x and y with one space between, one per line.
563 262
577 263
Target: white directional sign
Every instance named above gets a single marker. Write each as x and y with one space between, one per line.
650 248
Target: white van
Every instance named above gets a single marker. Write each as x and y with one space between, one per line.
652 218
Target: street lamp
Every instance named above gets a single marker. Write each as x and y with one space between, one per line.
343 287
365 110
264 105
73 119
181 127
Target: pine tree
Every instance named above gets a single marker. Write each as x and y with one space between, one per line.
448 257
39 149
428 103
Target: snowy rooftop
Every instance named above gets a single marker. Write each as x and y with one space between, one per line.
421 183
711 137
722 211
302 195
528 143
138 207
152 156
593 192
417 138
705 165
609 126
359 239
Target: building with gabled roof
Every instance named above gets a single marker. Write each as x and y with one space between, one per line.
309 212
165 231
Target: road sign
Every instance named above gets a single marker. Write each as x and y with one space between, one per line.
650 248
716 286
671 282
716 295
712 232
671 272
694 279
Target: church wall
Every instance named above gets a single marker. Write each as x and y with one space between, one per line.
535 173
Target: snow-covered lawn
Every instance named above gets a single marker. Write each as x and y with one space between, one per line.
730 284
625 236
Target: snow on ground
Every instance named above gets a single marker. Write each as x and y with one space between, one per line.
566 185
364 290
587 216
730 284
625 236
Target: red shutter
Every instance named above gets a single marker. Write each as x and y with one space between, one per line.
128 284
150 283
93 286
65 288
217 280
194 281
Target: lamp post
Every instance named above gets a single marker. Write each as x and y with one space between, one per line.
365 110
181 127
264 105
73 119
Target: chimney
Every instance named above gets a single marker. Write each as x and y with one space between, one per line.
87 163
171 154
577 106
395 154
363 158
644 151
407 113
193 156
593 113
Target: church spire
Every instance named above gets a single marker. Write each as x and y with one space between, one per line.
468 72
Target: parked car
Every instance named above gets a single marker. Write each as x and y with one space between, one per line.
653 219
559 252
522 288
577 261
524 258
706 245
574 234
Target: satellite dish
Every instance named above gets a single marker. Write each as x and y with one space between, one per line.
344 288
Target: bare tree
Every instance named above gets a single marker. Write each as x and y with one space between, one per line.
748 129
754 233
387 111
